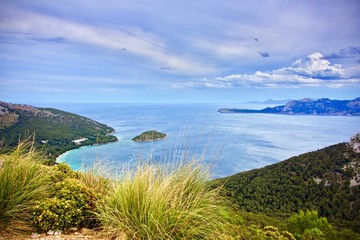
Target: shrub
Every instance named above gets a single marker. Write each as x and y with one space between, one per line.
23 181
156 203
63 171
308 224
254 232
313 234
72 206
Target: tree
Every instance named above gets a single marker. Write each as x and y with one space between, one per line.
308 225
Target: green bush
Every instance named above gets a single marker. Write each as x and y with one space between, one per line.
254 232
156 203
63 171
313 234
72 206
308 225
23 181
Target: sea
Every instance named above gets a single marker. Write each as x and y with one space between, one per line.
224 143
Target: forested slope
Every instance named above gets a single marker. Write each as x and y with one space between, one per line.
326 180
55 131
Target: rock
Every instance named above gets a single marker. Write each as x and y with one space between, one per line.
355 142
86 231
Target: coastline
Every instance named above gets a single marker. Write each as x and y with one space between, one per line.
79 147
61 155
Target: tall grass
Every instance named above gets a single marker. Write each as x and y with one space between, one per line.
23 181
97 177
157 202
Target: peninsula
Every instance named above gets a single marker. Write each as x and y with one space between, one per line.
306 106
54 131
149 136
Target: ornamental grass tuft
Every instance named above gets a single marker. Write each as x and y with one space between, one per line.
23 181
157 202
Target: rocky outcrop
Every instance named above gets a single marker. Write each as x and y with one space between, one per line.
355 143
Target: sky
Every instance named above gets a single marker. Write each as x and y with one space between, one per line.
178 51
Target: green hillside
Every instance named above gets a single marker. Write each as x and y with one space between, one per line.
55 131
326 180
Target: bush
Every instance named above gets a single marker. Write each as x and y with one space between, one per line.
156 203
23 181
72 206
63 171
308 225
254 232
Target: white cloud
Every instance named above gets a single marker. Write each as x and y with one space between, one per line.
133 39
314 70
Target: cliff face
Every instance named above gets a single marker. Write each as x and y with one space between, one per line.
323 106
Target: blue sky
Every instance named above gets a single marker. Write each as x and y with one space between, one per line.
178 51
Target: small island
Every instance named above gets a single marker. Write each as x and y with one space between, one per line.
149 136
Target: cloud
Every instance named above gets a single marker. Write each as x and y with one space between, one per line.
311 71
264 54
42 28
349 52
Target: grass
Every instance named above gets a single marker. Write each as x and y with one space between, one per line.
157 202
97 177
23 181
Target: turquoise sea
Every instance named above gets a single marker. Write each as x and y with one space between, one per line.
231 143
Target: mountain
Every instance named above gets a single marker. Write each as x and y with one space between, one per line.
55 131
327 180
271 101
323 106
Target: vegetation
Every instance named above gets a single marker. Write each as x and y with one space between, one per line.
307 225
267 233
55 130
73 205
23 181
158 202
153 203
149 136
324 180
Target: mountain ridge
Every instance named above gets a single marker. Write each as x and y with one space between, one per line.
307 106
56 131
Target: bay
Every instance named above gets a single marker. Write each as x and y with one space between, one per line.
230 143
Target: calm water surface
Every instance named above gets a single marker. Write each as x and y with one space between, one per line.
233 142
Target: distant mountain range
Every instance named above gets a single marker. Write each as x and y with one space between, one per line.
306 106
271 101
55 131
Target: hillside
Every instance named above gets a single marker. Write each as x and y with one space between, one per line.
327 180
55 131
323 106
